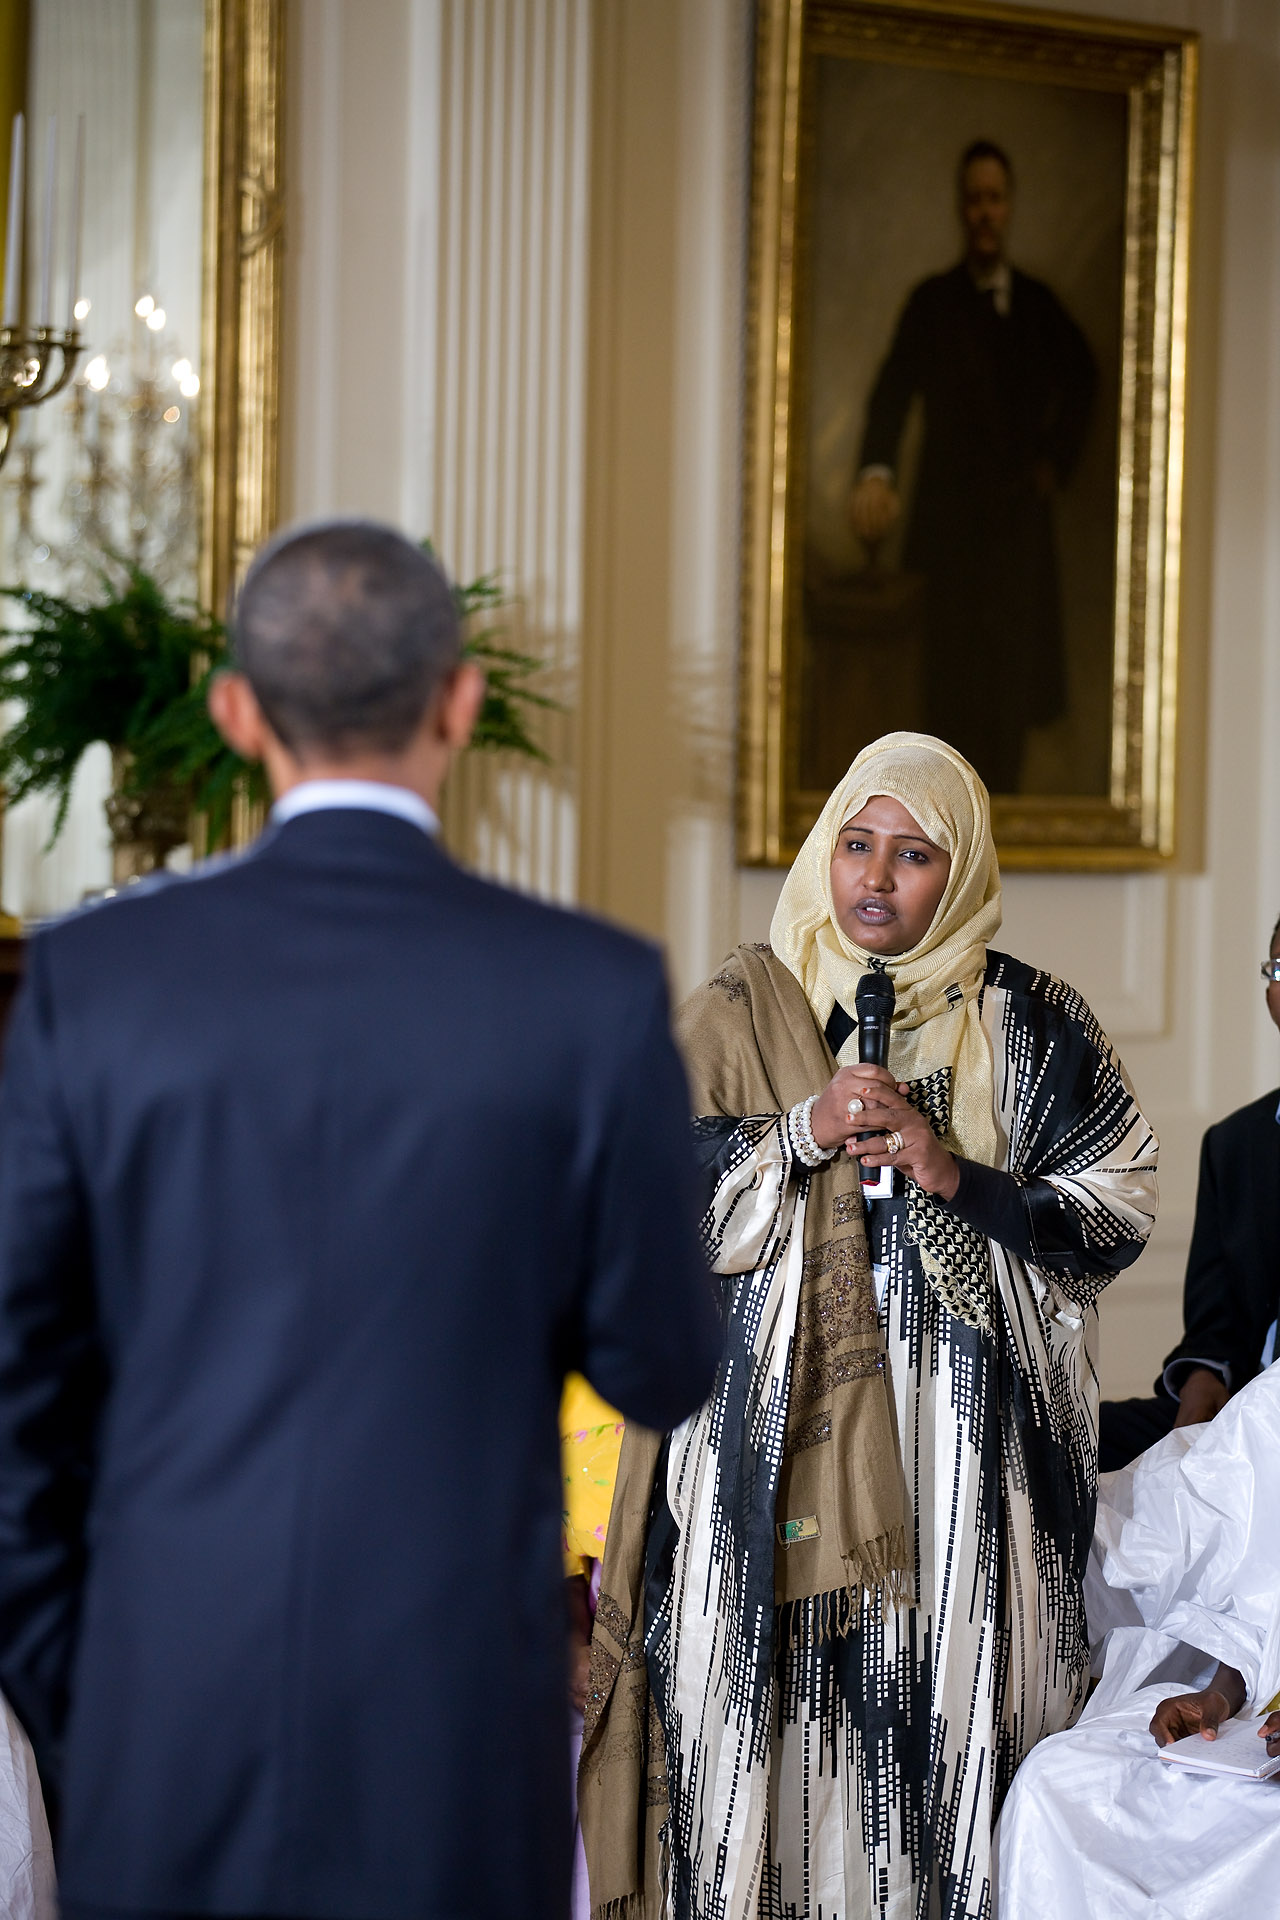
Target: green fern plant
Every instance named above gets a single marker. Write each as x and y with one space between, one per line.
133 669
120 670
502 725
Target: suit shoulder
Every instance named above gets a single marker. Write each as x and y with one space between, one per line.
1037 293
1257 1121
1029 283
937 289
133 911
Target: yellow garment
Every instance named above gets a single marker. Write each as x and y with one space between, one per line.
936 1022
590 1441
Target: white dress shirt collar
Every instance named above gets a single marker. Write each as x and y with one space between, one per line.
372 796
998 283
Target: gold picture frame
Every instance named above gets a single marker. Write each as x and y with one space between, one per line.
243 284
1141 81
243 295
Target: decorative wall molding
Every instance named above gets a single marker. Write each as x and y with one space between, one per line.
497 282
1106 935
1135 1006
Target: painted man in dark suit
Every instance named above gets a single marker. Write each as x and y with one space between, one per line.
318 1169
1007 381
1232 1292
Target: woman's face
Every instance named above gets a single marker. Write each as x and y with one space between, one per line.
886 878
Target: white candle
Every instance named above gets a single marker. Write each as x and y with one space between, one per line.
13 231
44 313
77 215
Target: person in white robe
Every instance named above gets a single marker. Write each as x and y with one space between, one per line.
1183 1597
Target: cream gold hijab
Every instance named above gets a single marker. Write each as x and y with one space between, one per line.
935 1023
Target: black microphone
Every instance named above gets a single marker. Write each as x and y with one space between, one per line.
874 1002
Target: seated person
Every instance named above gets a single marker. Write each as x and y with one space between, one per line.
1184 1592
1233 1276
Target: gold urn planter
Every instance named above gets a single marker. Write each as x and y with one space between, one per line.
145 827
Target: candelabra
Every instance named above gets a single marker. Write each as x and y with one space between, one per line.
37 362
110 473
33 367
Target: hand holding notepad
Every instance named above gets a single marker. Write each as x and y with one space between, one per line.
1238 1748
1195 1724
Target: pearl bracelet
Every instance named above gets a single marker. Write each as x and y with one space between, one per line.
800 1128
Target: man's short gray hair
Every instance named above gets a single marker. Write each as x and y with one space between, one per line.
344 630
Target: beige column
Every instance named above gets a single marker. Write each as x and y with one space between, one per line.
627 747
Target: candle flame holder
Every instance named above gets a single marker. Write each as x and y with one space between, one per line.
33 367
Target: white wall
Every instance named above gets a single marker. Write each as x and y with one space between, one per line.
394 106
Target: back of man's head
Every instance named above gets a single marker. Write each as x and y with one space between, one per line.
344 630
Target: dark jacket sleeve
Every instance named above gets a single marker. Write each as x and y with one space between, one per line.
1075 385
651 1333
1029 1217
898 381
995 1203
51 1379
1217 1312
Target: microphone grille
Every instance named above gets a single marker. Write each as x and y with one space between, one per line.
874 993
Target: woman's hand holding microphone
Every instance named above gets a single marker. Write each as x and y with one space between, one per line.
867 1099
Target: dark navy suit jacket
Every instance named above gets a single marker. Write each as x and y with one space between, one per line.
317 1171
1232 1291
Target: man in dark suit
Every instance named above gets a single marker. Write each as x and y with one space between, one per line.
318 1169
1232 1291
1007 381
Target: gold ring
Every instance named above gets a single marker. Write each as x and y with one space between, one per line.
855 1107
894 1143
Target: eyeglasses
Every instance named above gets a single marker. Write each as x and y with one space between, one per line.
1271 972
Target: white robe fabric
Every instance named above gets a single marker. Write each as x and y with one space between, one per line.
27 1888
1185 1573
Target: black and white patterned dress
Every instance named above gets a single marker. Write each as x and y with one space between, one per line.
892 1741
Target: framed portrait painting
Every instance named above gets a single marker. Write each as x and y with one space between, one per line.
970 230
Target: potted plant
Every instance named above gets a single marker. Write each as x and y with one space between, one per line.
133 668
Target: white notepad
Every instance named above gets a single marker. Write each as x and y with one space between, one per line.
1237 1750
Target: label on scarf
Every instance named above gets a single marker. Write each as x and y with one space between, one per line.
790 1531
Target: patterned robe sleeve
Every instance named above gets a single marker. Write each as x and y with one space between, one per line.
751 1195
1079 1146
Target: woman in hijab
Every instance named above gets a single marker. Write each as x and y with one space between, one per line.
842 1601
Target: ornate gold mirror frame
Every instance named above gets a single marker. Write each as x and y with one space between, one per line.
243 277
240 247
1124 817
